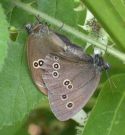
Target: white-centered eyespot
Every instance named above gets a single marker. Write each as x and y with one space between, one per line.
70 86
64 97
56 58
56 66
66 82
35 64
69 105
55 74
40 62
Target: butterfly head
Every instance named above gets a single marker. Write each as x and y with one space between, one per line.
100 63
28 28
36 28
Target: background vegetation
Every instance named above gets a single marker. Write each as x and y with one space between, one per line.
21 104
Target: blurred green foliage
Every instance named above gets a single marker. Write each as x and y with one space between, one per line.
22 104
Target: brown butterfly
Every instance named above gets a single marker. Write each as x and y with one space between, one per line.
61 70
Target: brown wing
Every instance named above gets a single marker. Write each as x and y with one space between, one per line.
68 70
38 46
78 98
41 42
67 98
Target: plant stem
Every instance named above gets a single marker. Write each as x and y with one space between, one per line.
71 30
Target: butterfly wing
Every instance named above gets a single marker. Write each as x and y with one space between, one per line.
40 43
43 41
70 84
67 70
66 109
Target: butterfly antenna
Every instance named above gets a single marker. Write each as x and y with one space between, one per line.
60 28
108 46
107 74
110 81
38 19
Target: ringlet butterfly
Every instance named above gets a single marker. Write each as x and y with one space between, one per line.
61 70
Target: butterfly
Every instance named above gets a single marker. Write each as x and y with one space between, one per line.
61 70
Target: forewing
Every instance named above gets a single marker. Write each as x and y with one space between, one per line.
75 72
38 46
41 42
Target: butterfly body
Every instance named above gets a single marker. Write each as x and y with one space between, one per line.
69 75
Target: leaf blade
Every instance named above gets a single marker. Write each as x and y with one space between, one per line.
107 117
120 7
4 36
18 94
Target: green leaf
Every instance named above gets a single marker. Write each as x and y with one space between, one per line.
8 8
56 8
16 16
66 12
21 21
18 95
108 115
119 5
4 36
110 19
14 129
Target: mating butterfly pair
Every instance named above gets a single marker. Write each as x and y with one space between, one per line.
61 70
